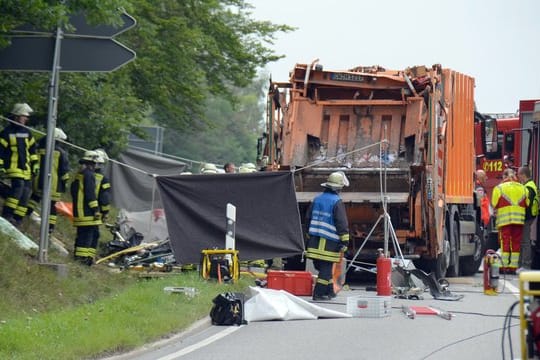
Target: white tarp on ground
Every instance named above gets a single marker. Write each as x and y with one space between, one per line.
270 304
13 233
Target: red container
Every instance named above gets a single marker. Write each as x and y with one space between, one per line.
295 282
384 276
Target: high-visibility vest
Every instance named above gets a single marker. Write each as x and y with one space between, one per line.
322 217
510 199
485 213
532 210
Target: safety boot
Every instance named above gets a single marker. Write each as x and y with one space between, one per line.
330 291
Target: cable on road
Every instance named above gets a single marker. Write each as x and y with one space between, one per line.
463 340
506 329
482 291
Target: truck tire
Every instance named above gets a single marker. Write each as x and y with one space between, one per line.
471 264
440 265
493 241
453 266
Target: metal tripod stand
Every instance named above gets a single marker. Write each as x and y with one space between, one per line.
388 230
388 227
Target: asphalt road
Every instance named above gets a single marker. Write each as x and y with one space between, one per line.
474 332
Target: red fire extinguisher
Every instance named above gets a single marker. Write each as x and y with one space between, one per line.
384 274
492 264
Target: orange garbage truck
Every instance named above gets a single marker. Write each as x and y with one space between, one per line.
404 139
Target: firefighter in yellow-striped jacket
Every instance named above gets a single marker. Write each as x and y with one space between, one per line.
103 184
18 162
59 175
86 211
328 233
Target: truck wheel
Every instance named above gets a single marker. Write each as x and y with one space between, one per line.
453 266
441 264
493 241
470 264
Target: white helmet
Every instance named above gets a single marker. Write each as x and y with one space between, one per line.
22 109
336 180
102 156
90 155
59 134
247 168
209 169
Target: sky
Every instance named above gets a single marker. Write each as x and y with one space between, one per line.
495 41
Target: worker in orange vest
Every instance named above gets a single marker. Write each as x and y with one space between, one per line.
509 199
480 189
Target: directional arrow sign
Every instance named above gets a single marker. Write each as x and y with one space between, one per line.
82 28
35 53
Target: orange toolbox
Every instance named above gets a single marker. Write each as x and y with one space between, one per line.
294 282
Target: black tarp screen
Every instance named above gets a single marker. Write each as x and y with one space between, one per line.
132 189
267 218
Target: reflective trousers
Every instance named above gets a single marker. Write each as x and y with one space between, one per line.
324 284
17 199
86 243
510 240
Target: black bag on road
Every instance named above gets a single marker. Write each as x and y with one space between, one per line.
228 309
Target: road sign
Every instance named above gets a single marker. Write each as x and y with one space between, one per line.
35 53
86 49
82 28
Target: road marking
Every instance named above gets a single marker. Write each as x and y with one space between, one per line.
201 344
513 289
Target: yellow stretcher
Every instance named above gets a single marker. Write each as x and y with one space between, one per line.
213 260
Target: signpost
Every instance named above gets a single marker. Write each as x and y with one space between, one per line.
83 29
76 55
85 49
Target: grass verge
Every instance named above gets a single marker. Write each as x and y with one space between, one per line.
92 312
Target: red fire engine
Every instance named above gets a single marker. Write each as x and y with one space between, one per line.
506 140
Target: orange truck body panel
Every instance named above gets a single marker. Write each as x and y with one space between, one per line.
460 155
414 126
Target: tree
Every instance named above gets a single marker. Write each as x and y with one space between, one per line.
186 50
234 131
47 14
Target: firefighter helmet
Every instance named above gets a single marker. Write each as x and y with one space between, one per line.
90 156
22 109
247 168
59 134
102 156
209 169
336 181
